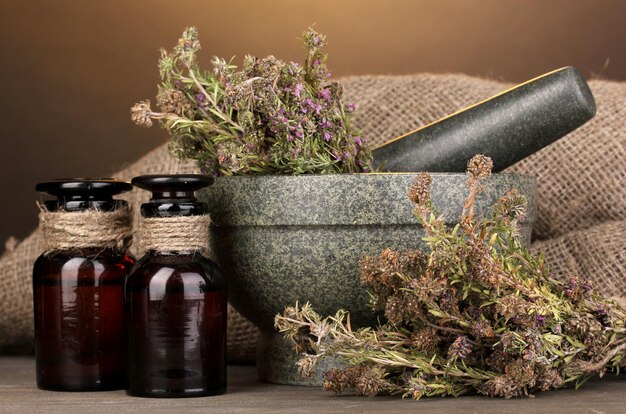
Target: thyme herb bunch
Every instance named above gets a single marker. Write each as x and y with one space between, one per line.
476 312
269 117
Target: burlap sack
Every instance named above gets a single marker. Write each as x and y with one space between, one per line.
582 206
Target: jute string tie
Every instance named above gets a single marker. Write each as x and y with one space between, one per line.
178 233
64 230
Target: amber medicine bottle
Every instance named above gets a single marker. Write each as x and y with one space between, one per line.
78 285
175 296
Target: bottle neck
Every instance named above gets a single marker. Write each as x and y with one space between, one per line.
171 208
86 229
176 233
82 204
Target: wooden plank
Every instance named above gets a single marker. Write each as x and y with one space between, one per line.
18 394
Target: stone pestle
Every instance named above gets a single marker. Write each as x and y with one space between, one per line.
507 127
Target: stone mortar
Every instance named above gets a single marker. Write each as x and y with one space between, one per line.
287 239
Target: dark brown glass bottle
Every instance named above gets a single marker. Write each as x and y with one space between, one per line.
78 297
175 305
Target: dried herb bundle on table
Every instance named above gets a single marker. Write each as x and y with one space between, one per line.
477 312
270 117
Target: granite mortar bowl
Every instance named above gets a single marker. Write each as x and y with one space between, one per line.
287 239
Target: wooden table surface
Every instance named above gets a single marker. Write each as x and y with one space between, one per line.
18 394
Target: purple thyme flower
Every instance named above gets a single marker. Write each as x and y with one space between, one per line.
316 41
200 97
293 68
327 136
571 289
310 103
539 321
602 314
460 348
358 141
325 123
600 309
299 133
351 107
324 94
297 90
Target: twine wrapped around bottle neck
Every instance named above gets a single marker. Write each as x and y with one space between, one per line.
63 230
178 233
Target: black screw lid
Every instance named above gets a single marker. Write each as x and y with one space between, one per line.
77 194
173 195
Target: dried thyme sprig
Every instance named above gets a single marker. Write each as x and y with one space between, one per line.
477 313
269 117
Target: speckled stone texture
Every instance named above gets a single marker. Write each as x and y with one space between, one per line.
282 239
508 127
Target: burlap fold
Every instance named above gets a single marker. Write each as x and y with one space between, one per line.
582 187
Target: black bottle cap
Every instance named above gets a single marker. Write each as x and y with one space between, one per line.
173 195
78 194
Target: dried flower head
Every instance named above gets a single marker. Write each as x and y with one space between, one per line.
188 45
510 208
479 167
549 379
425 339
482 329
512 306
460 348
306 364
313 40
173 101
337 380
419 191
371 382
140 114
501 386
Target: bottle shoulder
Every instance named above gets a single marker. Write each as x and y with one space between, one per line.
84 264
104 256
194 261
172 269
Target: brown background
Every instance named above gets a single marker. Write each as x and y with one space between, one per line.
70 70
